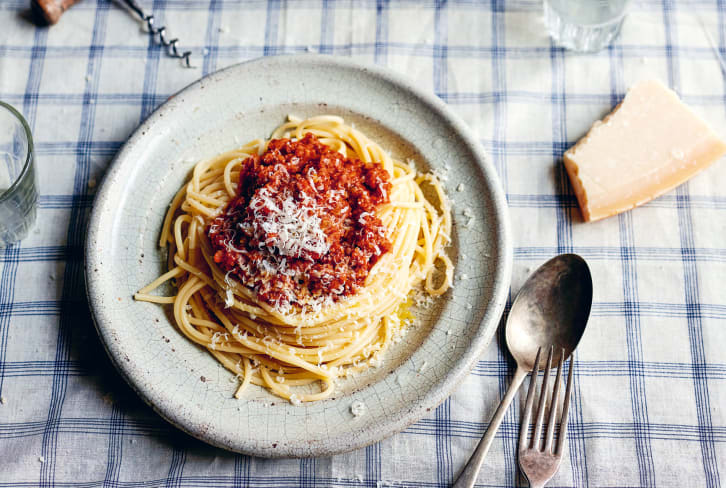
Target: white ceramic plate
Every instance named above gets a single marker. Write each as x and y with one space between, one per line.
182 381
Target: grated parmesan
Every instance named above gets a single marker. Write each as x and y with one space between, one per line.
229 298
358 408
422 299
290 227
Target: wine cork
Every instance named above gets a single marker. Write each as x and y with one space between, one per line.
50 11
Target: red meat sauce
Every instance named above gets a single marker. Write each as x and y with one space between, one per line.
302 228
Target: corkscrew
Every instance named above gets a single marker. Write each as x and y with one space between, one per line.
170 45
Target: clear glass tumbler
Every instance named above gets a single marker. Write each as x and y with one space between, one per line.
18 193
584 25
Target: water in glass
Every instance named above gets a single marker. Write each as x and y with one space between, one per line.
584 25
18 194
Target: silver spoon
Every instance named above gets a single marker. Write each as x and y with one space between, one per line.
551 309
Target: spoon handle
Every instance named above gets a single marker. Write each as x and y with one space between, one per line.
468 477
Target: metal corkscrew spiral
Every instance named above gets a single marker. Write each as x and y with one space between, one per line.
171 45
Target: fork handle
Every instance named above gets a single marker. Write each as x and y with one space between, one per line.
468 477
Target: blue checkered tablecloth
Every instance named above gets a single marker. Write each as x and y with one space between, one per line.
650 385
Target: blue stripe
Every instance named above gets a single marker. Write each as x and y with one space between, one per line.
638 396
73 271
381 44
242 470
327 27
176 469
451 97
271 24
690 275
442 433
373 465
400 48
493 369
212 37
306 478
115 448
440 54
428 427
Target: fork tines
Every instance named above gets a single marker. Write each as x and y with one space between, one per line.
536 443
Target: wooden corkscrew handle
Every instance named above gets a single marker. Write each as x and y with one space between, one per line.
50 11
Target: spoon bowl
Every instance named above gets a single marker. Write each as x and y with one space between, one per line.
551 309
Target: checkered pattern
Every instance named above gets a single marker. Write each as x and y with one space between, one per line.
650 384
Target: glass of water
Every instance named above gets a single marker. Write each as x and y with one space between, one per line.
584 25
18 193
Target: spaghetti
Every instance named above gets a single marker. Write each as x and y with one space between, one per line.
292 257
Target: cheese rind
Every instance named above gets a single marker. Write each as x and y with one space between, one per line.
646 146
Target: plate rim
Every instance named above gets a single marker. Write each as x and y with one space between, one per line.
440 390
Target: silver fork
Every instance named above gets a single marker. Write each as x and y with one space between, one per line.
539 461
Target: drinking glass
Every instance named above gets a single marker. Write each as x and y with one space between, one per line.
584 25
18 193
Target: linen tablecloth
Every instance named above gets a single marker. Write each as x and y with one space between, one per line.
650 386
